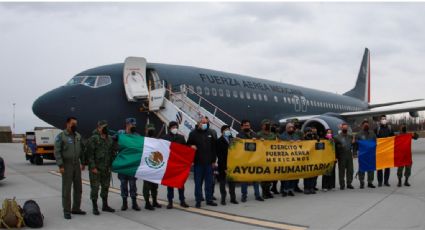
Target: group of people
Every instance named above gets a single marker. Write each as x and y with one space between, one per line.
210 163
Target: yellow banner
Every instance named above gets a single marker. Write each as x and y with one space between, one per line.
257 160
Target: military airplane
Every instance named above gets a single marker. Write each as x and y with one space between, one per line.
103 93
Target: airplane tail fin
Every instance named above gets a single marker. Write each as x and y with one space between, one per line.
362 89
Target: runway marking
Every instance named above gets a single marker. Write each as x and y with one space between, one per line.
216 214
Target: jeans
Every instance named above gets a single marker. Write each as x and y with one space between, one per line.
244 189
203 173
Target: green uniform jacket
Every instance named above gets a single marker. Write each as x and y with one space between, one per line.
100 152
266 136
344 146
68 149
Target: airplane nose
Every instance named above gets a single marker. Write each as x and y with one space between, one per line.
48 107
40 107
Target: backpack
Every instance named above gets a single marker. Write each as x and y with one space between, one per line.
11 214
32 214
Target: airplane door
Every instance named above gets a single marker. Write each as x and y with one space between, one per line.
297 103
303 104
134 75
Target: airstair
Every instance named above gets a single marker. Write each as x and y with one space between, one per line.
173 105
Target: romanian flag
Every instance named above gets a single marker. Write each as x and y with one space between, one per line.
385 152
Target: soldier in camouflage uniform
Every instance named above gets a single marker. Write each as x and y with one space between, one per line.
266 134
70 160
150 188
100 154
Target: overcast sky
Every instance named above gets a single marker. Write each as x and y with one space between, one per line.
317 45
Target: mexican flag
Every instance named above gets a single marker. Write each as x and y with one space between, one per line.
155 160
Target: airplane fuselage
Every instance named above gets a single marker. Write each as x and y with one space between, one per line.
240 96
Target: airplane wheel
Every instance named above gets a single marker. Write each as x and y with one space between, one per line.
38 160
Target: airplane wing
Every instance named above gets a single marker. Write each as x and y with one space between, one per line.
385 110
371 106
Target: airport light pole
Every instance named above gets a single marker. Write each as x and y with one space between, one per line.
14 104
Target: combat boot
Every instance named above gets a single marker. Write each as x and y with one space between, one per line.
406 182
399 182
148 206
124 204
155 203
105 206
95 208
134 205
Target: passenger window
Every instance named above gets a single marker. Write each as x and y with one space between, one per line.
265 97
227 93
90 81
284 99
206 91
199 90
235 94
248 95
259 97
214 92
191 89
103 81
275 99
220 92
254 96
241 95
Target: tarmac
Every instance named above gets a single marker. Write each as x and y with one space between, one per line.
379 208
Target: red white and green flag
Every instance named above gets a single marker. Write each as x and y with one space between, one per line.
155 160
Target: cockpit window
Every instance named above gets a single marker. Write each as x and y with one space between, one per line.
91 81
76 80
102 81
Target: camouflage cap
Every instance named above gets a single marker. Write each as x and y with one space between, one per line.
265 121
150 126
102 123
131 121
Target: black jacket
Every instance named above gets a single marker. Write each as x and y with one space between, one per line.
174 138
205 143
222 149
384 131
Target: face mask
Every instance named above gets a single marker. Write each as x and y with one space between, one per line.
366 128
133 129
74 128
227 133
344 131
204 126
328 136
246 130
174 131
383 122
